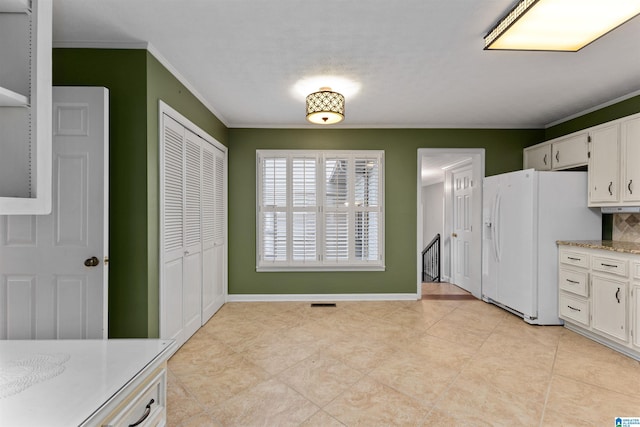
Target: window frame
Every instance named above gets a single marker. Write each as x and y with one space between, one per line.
321 210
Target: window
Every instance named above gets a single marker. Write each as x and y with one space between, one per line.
320 210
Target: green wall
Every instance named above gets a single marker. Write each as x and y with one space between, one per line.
503 154
136 80
612 112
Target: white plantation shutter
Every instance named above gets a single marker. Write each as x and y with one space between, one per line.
367 209
173 191
320 210
273 219
304 209
336 208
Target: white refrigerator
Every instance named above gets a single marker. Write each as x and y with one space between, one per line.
524 214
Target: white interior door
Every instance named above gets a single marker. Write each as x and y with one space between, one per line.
53 275
462 237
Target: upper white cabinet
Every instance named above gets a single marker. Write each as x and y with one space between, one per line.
557 154
604 166
538 157
614 177
630 138
569 152
25 106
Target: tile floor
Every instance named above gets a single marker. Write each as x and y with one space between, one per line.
423 363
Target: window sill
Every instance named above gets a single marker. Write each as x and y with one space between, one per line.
318 268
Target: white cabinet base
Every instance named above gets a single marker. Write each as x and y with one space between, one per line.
599 339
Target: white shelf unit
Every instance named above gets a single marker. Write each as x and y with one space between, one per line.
25 107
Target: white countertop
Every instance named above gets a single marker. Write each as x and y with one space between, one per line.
63 382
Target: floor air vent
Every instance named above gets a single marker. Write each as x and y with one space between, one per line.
323 304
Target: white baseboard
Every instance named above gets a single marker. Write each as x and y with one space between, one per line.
320 297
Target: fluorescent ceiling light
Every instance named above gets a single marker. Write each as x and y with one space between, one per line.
564 25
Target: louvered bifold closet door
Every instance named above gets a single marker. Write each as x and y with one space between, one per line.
172 229
192 291
213 220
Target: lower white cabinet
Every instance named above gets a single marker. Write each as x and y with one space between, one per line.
599 295
635 309
609 299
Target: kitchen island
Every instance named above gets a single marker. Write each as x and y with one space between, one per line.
83 382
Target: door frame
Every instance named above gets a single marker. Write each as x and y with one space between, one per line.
478 166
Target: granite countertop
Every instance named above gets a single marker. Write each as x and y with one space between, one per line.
607 245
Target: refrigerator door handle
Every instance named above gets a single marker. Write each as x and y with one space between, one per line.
496 228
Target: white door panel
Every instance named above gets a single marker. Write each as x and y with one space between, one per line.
462 230
50 292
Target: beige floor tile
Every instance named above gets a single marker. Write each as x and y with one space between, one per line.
470 396
370 403
219 381
576 401
320 378
321 419
201 420
469 340
595 364
275 354
438 418
180 404
481 321
361 353
436 351
270 403
414 377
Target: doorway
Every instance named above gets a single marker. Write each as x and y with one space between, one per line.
450 204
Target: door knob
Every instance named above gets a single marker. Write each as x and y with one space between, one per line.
91 262
454 234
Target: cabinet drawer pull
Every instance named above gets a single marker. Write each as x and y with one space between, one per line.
544 159
573 259
610 185
618 295
573 308
147 411
628 186
557 156
572 281
608 265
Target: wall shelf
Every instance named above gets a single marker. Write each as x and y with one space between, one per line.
25 107
9 98
15 6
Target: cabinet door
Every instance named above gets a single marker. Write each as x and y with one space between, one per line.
630 136
538 157
569 152
609 298
604 166
635 310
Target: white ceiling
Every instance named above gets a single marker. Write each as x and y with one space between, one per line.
412 63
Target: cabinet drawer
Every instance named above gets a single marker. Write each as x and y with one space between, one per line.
577 259
574 281
574 308
635 270
148 403
609 265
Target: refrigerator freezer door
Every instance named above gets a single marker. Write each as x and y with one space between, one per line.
490 187
515 229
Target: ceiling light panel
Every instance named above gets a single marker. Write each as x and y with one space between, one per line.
559 25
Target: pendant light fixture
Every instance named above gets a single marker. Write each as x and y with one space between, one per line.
325 107
559 25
